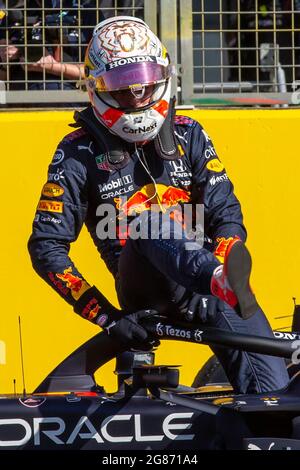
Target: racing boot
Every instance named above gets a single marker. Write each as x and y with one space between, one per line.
230 281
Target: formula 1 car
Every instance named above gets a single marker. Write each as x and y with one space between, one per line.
150 410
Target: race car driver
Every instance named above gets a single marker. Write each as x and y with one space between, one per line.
131 160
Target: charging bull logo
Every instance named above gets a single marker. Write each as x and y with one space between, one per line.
91 310
149 197
76 285
94 312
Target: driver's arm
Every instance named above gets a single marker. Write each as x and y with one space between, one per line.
60 214
212 187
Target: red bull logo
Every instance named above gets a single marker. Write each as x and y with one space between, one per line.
174 196
149 197
91 309
76 285
93 313
222 247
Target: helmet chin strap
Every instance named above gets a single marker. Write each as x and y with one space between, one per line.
165 142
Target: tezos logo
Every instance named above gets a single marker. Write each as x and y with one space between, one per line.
198 335
174 332
159 329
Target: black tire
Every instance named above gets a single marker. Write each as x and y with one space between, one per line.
210 372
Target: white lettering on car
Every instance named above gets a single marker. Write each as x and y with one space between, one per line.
37 428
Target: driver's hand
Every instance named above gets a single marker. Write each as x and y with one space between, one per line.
195 307
200 308
120 325
129 330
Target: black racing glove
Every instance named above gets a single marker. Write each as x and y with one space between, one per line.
201 308
195 307
125 327
129 330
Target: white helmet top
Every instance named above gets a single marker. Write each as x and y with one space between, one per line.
128 73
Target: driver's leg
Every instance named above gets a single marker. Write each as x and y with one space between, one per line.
249 372
170 252
140 285
146 268
150 268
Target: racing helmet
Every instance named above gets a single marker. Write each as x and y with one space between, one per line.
128 72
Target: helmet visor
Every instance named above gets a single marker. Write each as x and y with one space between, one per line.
134 98
126 76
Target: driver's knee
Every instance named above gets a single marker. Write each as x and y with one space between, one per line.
257 373
250 372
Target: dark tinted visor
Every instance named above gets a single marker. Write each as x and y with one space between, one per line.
145 73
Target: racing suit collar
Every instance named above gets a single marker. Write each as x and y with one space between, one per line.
118 150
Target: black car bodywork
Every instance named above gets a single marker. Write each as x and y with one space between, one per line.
150 411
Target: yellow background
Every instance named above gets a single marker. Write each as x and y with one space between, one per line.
260 149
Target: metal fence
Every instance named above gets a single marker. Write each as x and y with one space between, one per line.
227 52
247 50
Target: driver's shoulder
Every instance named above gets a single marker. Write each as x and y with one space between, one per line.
186 122
75 150
79 139
185 125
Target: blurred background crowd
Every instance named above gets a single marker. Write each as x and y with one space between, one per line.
239 45
45 39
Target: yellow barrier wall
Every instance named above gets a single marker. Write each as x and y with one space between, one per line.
260 151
